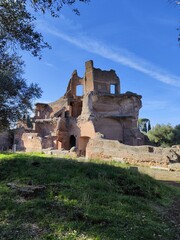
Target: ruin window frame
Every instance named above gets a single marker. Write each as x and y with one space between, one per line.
112 88
79 90
66 114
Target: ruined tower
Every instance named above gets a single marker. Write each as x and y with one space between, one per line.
101 110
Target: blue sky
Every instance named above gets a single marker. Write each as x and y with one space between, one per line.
138 39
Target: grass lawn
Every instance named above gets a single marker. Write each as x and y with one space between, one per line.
47 198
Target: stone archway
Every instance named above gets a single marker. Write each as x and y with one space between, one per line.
72 141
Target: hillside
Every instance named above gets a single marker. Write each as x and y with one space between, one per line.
50 198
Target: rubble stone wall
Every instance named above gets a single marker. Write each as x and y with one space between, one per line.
5 142
32 142
99 148
77 117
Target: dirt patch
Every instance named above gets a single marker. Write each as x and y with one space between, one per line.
172 183
27 191
173 212
161 174
171 178
173 216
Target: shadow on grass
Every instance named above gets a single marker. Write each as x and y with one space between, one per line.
80 200
172 183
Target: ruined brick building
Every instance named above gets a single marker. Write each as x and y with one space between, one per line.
100 111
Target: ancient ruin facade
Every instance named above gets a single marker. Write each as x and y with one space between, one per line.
100 111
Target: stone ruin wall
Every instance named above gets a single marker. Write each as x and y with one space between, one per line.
145 155
115 117
98 122
33 142
5 141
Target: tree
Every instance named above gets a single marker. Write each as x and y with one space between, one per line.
177 3
174 2
144 125
29 122
16 97
17 30
165 135
149 126
17 24
176 139
162 135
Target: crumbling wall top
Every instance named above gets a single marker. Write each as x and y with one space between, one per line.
89 65
101 81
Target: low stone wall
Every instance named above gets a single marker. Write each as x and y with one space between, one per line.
5 141
32 142
99 148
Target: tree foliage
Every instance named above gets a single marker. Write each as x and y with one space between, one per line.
17 24
17 30
176 3
164 135
54 6
16 97
176 139
144 125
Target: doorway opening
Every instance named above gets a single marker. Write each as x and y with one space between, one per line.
83 141
72 141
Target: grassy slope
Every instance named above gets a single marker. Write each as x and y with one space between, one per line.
82 200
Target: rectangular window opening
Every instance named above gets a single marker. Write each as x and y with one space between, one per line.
112 89
79 90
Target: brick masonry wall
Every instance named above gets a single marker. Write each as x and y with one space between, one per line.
99 148
5 141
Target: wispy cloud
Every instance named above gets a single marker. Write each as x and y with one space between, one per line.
155 105
121 56
43 100
49 64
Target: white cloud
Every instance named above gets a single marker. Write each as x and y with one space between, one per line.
43 100
49 64
121 56
70 24
155 105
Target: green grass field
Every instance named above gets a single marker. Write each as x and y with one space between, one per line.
81 201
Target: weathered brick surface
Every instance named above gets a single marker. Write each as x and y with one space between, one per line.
73 120
5 141
136 155
33 143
